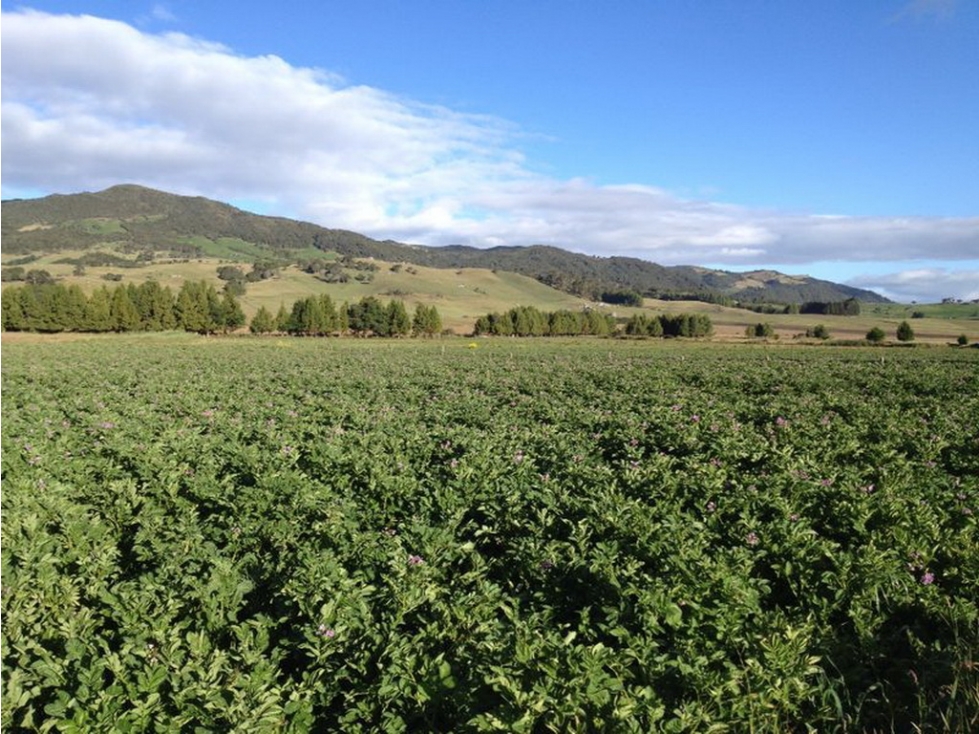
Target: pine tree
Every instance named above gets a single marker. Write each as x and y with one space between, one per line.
282 319
428 322
13 312
191 308
343 318
232 317
399 323
331 320
262 322
123 313
98 311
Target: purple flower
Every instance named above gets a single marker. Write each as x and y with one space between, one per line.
415 561
780 422
327 632
547 564
711 506
695 418
752 538
518 457
927 578
107 424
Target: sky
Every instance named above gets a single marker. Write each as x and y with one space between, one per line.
837 139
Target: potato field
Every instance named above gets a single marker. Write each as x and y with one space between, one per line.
271 534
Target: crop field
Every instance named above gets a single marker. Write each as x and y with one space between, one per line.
242 534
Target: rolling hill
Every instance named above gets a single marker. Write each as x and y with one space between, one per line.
142 224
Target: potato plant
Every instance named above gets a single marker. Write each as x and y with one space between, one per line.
312 535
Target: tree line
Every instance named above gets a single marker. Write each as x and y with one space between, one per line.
320 316
530 321
198 307
55 307
686 324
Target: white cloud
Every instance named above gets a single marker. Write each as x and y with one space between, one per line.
161 11
924 285
89 102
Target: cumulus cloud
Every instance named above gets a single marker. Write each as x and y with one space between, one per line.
89 102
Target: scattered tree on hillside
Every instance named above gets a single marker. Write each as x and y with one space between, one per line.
621 298
38 277
876 335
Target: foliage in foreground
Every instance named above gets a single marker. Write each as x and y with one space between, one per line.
307 535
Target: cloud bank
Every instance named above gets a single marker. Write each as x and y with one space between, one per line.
88 103
923 285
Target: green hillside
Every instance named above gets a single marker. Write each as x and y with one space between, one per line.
146 224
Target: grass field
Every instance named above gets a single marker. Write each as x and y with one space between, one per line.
487 535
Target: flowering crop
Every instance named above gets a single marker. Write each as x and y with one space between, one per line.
223 534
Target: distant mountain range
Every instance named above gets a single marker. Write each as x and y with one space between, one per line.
138 220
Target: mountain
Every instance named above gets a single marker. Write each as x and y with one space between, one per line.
137 220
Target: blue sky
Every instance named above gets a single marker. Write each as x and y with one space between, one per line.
832 138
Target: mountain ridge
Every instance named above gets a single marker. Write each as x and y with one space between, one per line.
137 219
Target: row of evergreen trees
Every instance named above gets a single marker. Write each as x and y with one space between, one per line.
685 324
319 316
530 321
55 307
199 307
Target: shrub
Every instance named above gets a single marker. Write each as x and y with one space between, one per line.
876 335
904 332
